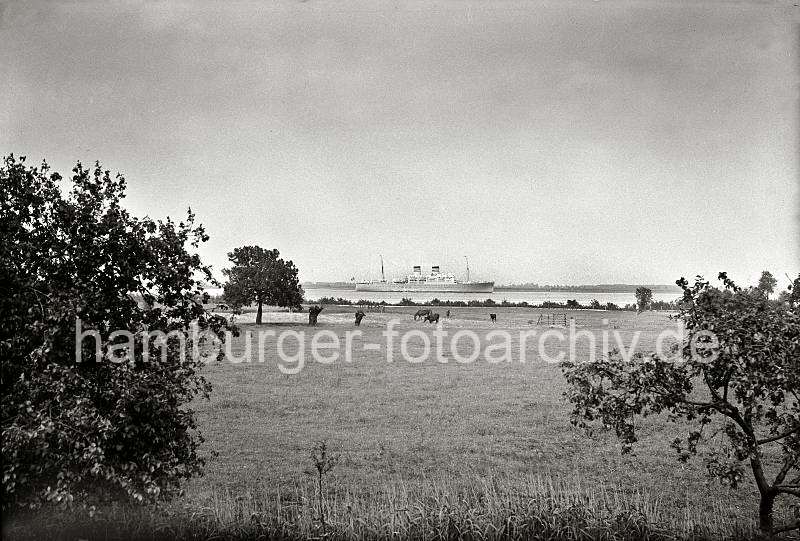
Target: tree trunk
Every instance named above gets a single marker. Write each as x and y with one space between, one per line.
258 314
765 521
765 506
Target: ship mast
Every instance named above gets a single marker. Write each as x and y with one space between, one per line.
383 278
465 257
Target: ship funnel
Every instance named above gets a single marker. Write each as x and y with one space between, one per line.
435 270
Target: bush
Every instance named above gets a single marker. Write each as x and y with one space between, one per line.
331 300
114 425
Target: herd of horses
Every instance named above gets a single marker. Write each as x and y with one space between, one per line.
430 317
424 315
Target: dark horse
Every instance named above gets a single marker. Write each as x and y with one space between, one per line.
421 314
359 316
313 312
432 318
493 317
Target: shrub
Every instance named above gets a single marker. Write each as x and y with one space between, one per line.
331 300
113 425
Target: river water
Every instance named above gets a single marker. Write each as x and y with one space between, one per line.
531 297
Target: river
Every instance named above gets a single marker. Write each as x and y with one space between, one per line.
531 297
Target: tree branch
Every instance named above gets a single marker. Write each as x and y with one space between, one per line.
788 464
714 394
685 400
758 473
786 490
701 404
777 437
788 527
41 307
729 410
728 375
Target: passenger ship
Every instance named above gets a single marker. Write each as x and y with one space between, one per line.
435 281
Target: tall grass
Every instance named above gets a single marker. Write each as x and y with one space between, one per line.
541 508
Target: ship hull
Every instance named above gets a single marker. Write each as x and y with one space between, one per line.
469 287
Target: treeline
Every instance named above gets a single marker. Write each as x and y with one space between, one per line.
571 304
596 288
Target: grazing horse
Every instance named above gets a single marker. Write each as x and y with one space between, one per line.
359 316
421 314
432 318
493 317
313 312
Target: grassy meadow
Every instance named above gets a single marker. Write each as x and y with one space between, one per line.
433 450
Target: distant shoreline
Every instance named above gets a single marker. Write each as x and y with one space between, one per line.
620 288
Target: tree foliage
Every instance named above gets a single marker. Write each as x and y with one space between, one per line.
260 276
77 427
793 296
644 298
767 283
735 378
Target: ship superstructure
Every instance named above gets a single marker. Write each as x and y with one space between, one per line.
436 280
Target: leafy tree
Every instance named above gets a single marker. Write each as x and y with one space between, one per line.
260 276
767 283
739 388
85 420
644 297
794 292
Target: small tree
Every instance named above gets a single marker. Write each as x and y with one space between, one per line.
79 422
324 462
794 292
767 283
736 378
260 276
644 297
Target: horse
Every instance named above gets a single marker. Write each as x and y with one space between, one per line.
421 314
313 312
493 317
432 318
359 316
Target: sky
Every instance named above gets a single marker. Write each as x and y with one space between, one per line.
561 142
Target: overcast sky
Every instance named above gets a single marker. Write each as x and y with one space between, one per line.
553 142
